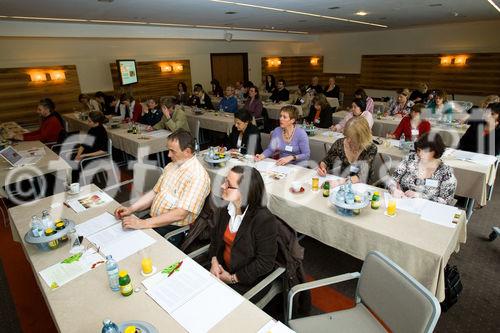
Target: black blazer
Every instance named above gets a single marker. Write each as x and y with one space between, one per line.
254 250
469 141
325 117
205 104
334 93
251 132
282 95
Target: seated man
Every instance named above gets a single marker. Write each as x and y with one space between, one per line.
151 113
229 103
280 94
200 99
173 119
178 196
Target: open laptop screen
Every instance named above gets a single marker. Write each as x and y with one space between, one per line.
11 155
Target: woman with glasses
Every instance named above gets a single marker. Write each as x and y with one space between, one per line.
423 175
244 244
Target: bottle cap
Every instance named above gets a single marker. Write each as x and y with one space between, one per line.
376 193
49 231
122 273
106 321
130 329
60 225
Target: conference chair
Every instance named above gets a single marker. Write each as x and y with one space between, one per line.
385 294
494 234
98 165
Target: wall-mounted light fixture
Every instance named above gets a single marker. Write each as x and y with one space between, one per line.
273 62
166 68
458 60
178 68
57 75
37 76
315 61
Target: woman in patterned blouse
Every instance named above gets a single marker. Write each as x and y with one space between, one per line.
351 156
423 174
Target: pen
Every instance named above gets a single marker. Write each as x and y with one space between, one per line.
176 268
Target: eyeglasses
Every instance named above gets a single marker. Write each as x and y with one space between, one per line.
226 184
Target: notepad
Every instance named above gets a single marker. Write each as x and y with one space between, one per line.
275 327
161 133
430 211
120 243
96 224
477 158
88 201
192 289
71 268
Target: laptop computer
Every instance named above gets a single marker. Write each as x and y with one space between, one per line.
15 159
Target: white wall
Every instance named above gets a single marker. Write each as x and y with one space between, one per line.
92 56
343 51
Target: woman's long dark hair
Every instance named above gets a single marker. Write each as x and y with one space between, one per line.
270 87
252 188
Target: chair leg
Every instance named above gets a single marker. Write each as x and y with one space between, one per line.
469 207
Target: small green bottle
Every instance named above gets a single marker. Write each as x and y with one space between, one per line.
326 189
375 200
126 288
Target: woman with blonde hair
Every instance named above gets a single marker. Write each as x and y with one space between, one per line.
351 156
421 94
401 106
489 100
289 142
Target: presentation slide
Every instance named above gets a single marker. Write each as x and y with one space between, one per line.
128 71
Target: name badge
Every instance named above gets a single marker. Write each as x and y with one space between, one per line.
431 183
289 148
414 132
354 169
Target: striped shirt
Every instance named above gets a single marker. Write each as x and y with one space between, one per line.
182 186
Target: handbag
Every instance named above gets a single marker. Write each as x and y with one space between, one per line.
453 287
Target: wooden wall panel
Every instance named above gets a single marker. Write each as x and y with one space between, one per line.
152 81
298 70
20 96
480 75
294 70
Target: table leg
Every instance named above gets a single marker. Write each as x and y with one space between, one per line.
469 207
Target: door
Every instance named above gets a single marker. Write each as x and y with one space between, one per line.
227 68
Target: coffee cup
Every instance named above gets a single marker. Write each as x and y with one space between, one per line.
296 186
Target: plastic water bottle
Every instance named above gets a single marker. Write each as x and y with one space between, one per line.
402 141
47 221
109 327
112 270
196 147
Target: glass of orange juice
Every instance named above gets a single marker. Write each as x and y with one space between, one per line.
391 207
147 267
315 183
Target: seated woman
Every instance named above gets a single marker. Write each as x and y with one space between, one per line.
412 126
244 136
182 96
107 103
151 113
128 108
289 143
95 144
52 125
304 97
439 105
88 104
483 134
351 156
253 103
270 83
332 90
217 90
361 94
358 109
400 107
321 112
244 263
423 175
421 94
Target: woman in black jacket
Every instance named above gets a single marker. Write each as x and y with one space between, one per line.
244 243
483 135
244 136
321 112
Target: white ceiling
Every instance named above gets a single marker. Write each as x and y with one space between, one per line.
392 13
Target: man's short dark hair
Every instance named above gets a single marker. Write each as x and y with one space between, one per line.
184 138
282 81
169 102
433 142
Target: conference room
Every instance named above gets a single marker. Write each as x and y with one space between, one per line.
250 166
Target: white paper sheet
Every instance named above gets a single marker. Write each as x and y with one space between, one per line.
192 289
439 214
88 201
481 159
394 143
270 166
96 224
61 273
412 205
120 243
40 151
275 327
161 133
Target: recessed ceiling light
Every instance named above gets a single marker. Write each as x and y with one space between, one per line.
361 13
230 12
435 5
494 5
335 7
